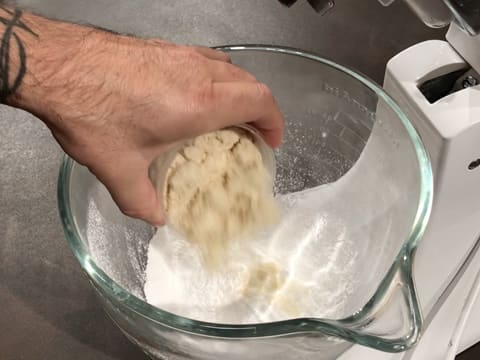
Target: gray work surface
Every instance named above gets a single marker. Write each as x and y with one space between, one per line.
47 307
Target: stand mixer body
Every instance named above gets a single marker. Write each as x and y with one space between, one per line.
436 85
447 262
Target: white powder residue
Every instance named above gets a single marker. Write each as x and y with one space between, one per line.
300 268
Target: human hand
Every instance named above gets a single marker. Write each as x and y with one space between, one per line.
115 103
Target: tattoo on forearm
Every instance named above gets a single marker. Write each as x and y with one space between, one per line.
9 82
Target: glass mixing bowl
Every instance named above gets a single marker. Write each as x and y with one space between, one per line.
360 184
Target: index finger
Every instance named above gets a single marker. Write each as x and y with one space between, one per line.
248 102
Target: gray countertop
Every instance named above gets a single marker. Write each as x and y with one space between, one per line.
48 310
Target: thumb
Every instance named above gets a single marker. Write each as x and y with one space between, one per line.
128 182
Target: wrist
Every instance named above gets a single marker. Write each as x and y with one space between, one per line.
50 64
47 52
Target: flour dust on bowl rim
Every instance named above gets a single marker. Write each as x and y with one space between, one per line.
359 188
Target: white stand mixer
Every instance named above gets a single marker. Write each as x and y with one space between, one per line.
435 83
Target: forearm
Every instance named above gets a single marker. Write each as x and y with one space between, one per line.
42 62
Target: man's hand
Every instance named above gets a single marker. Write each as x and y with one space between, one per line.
114 103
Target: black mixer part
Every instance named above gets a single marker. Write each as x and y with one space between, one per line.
320 6
288 2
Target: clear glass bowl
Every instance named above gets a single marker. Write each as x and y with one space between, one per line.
355 162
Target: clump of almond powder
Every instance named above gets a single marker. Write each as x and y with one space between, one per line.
217 189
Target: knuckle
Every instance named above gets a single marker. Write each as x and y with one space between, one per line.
191 54
158 42
264 91
185 55
226 57
202 96
242 74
